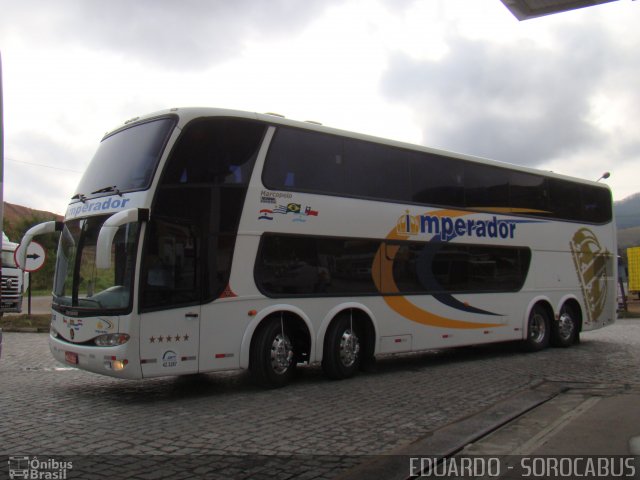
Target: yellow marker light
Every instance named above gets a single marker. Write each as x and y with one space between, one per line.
118 365
114 364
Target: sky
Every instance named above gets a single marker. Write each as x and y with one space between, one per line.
556 93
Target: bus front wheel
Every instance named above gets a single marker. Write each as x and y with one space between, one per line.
272 359
341 358
538 329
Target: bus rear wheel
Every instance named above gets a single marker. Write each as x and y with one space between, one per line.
272 359
341 358
538 329
565 330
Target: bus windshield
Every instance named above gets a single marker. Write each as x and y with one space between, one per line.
126 160
79 284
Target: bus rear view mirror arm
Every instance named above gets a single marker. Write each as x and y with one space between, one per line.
109 230
39 229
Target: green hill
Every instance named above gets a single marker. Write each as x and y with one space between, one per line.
17 220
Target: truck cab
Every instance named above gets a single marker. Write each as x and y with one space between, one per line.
14 280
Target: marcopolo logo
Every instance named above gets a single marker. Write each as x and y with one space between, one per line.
97 206
448 228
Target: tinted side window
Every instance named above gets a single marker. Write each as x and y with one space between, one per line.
497 269
288 265
305 161
485 186
597 204
528 192
296 265
565 199
307 266
436 180
578 202
350 264
191 235
171 270
438 267
376 171
309 161
215 151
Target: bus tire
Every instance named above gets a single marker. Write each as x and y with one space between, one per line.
538 329
342 349
565 330
272 359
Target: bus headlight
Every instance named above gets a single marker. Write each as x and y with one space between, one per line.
111 339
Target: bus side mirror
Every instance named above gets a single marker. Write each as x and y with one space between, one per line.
39 229
109 230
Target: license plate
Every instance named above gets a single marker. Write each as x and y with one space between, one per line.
71 357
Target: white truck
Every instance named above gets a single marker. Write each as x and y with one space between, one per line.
14 280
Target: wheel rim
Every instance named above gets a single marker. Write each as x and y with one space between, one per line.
281 354
565 326
349 348
537 328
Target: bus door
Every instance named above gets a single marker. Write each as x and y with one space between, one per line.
170 298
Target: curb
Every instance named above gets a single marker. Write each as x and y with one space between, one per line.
452 438
24 330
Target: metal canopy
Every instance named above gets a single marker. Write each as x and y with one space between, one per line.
526 9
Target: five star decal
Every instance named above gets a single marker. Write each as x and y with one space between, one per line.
169 338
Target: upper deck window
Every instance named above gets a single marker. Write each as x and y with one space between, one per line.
316 162
127 160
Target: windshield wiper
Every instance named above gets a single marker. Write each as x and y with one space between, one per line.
79 196
108 189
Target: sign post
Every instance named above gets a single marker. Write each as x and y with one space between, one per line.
36 255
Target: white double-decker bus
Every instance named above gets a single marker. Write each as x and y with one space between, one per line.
202 240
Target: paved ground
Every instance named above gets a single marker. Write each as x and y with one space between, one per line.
40 305
221 426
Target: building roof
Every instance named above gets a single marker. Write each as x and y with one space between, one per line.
526 9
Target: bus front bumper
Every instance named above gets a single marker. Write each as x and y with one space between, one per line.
111 361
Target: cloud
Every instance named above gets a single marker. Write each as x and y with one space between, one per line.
518 102
191 34
41 172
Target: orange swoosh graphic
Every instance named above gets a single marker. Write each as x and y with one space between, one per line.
382 273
